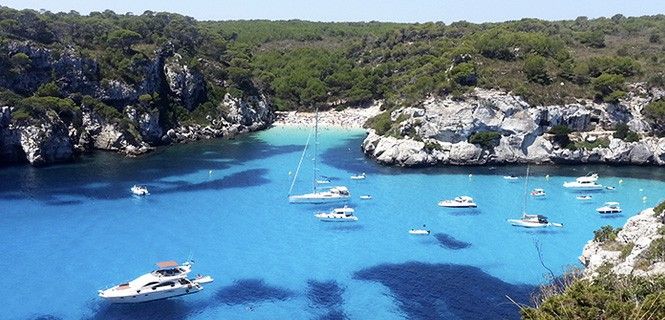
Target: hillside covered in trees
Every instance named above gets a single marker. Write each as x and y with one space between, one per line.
106 61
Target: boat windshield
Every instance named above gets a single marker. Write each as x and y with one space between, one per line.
168 272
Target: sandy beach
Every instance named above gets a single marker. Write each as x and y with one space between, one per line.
350 118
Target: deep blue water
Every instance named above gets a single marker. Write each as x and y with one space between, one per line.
68 230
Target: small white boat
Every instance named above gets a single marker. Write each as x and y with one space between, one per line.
458 202
511 178
538 193
584 183
533 221
585 197
323 181
366 197
358 176
609 208
610 188
169 280
419 232
344 214
139 190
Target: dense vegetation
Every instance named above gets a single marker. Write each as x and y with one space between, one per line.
301 64
606 297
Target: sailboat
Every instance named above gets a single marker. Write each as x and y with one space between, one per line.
318 194
531 220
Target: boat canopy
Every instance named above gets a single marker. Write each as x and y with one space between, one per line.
344 210
612 204
464 199
167 264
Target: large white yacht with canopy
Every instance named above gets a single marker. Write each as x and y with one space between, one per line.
167 281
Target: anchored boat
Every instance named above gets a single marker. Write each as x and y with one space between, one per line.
458 202
344 214
169 280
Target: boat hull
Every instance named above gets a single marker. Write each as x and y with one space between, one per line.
456 205
148 295
317 200
525 224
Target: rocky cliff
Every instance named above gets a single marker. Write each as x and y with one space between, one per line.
637 249
87 109
437 131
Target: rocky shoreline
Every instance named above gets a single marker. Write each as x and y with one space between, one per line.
50 140
437 132
626 253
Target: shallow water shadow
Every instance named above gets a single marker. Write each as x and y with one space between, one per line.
447 291
117 174
242 179
170 309
326 294
251 291
63 202
347 227
333 315
45 317
464 212
447 241
349 157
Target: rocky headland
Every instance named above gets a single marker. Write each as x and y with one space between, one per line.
438 131
636 249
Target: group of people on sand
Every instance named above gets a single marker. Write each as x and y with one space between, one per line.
348 118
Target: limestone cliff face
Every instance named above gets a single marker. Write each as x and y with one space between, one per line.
627 254
139 127
436 131
38 142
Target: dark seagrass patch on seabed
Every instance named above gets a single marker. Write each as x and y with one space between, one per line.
446 241
251 291
448 291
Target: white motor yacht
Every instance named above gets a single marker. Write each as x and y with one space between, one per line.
366 197
329 195
139 190
584 197
419 232
609 208
533 221
584 183
511 178
538 193
359 176
458 202
169 280
344 214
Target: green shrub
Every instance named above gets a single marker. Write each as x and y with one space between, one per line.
608 296
49 89
605 233
609 87
486 139
659 209
105 111
623 132
653 254
561 133
535 69
381 123
598 143
464 74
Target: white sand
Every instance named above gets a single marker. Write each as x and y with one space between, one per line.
349 118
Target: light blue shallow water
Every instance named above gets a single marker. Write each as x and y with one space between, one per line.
68 230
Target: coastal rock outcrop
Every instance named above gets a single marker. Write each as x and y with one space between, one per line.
628 253
444 126
38 142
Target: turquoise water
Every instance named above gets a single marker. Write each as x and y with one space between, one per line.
68 230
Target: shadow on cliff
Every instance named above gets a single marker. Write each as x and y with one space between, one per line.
447 291
109 176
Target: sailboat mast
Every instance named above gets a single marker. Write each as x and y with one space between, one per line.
316 146
526 183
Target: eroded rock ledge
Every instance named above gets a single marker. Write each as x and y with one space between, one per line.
437 131
628 253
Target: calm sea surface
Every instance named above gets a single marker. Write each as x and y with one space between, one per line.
68 230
